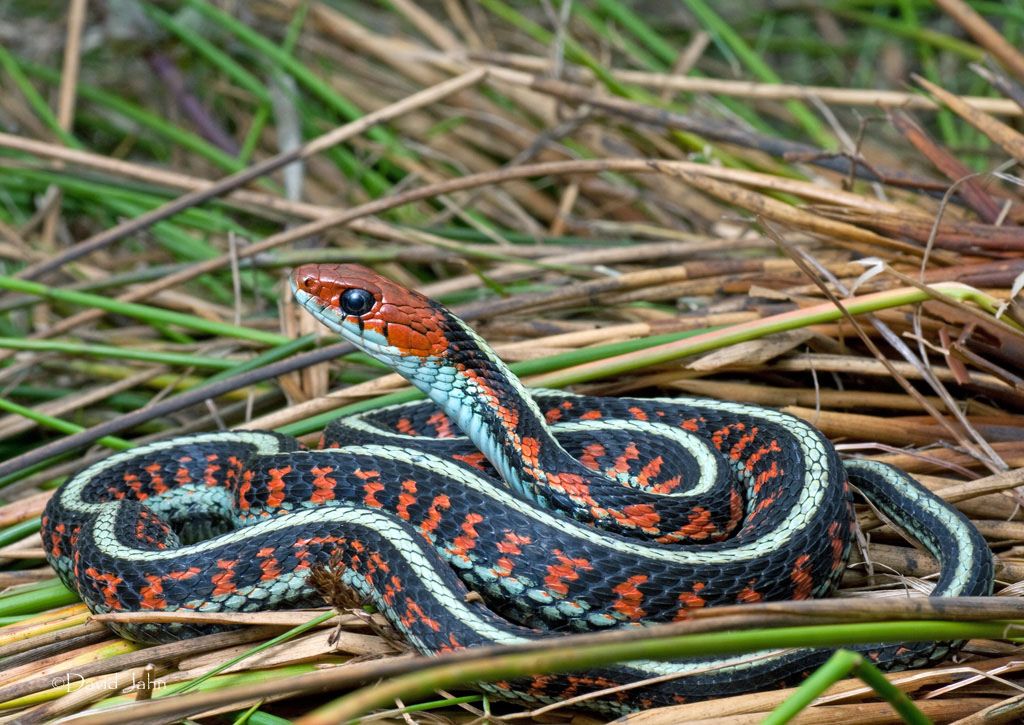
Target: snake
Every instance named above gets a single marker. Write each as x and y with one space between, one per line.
563 513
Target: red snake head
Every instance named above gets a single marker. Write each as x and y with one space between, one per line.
379 316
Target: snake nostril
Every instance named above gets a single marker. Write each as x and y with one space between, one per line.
310 283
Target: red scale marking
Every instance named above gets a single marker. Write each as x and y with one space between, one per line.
466 542
414 613
404 426
441 424
141 535
509 417
529 449
772 472
152 593
748 595
303 545
638 413
224 580
650 470
406 499
210 472
391 590
156 480
110 585
698 528
566 570
801 577
736 507
772 447
631 453
276 486
55 538
573 485
591 415
231 475
371 488
667 486
736 452
134 484
838 546
765 503
641 516
689 601
244 489
512 542
630 597
592 455
476 460
540 684
269 564
429 524
579 684
323 484
375 564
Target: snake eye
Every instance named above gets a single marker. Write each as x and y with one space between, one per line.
356 302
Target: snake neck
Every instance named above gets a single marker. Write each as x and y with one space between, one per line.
493 408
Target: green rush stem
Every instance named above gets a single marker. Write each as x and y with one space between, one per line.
796 319
144 118
278 352
665 52
578 54
38 600
442 676
314 84
262 114
725 33
58 424
603 361
35 101
900 701
283 637
916 33
110 351
35 468
18 531
573 50
945 119
4 621
841 664
436 704
522 368
210 52
255 716
222 682
145 313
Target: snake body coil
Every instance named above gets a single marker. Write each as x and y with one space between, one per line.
566 513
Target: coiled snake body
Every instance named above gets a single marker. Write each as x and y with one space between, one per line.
565 512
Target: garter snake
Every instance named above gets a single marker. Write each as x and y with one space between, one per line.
565 512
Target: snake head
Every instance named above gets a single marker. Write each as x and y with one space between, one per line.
380 317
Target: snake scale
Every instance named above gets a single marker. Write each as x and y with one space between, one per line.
566 513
